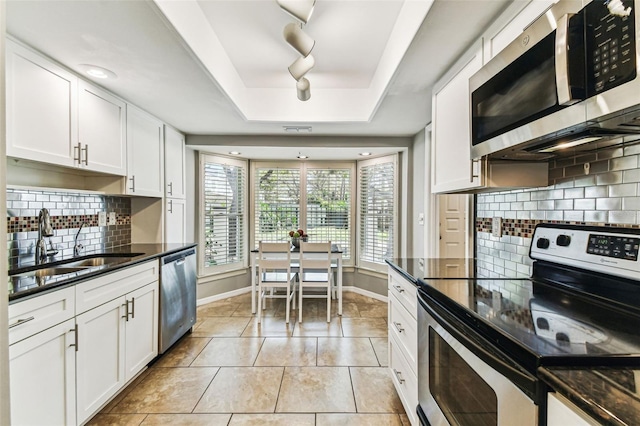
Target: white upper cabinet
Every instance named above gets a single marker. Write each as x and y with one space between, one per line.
174 220
511 23
174 158
452 167
101 130
41 108
145 154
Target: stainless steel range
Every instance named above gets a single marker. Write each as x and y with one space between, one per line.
481 341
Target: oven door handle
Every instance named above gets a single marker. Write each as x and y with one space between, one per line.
525 381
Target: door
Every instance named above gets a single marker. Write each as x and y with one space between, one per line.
145 149
41 108
101 130
141 329
453 225
43 372
174 217
100 356
173 163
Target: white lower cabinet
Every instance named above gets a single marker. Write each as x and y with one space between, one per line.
141 329
403 342
43 377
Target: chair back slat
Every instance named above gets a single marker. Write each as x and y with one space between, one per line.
274 256
315 256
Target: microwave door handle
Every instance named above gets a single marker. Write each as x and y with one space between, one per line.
562 62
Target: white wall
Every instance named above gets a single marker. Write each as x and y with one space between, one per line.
4 334
418 172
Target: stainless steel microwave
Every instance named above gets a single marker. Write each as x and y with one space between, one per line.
570 78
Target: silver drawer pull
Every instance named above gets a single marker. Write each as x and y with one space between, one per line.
21 321
398 376
398 288
75 330
398 327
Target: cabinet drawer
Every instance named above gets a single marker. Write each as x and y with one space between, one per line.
34 315
404 291
101 290
405 329
405 381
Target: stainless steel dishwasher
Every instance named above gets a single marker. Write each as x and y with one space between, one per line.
177 296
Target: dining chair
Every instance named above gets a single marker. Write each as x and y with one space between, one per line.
315 272
274 271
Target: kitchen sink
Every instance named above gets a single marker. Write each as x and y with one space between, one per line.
45 272
98 261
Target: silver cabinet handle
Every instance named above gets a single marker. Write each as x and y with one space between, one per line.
471 175
21 321
126 310
563 81
398 288
133 307
75 330
133 183
170 185
77 153
398 327
86 154
170 206
398 376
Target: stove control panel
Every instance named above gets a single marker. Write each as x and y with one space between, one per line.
614 251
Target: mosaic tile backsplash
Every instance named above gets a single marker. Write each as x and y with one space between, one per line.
608 196
67 211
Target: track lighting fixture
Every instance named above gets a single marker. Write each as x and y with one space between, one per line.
303 88
299 9
301 66
298 39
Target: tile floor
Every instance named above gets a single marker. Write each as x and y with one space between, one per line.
233 371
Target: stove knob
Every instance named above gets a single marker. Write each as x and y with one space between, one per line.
563 240
542 243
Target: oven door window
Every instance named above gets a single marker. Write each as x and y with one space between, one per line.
462 395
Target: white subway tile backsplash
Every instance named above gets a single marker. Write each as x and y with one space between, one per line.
595 192
623 190
610 178
574 216
574 193
563 204
554 215
623 163
584 204
622 217
596 216
608 203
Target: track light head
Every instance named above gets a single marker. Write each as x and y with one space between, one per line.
299 9
301 66
304 89
298 39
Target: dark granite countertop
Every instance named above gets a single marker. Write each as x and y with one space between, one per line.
414 269
22 285
611 395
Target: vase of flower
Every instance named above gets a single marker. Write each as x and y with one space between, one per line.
297 236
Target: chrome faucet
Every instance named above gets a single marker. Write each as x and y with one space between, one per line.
44 230
77 246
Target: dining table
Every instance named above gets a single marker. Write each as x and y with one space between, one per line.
336 254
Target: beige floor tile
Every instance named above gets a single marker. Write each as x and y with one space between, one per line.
316 390
270 327
273 420
346 351
242 390
221 308
350 309
288 351
117 420
405 420
381 347
187 420
358 298
230 352
183 353
167 390
116 400
374 390
364 327
373 310
222 327
351 419
318 327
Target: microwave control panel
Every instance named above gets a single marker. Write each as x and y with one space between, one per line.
611 45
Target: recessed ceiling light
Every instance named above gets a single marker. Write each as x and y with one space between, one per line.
302 156
98 72
234 153
365 154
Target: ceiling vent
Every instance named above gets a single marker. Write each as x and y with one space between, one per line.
297 129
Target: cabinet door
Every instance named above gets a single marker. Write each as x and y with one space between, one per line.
145 154
41 108
101 130
174 217
43 372
141 329
173 164
452 167
99 360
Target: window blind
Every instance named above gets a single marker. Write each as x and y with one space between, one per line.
329 207
377 211
277 203
224 203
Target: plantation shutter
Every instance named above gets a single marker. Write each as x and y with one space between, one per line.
277 203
